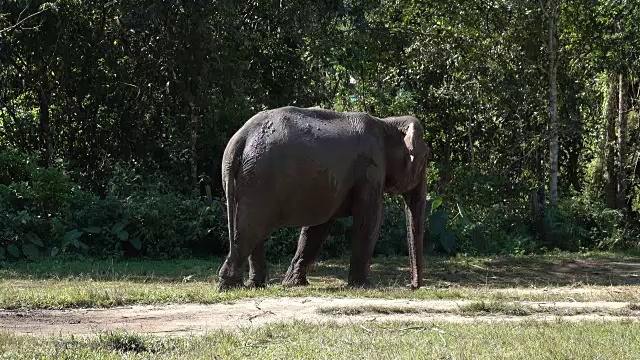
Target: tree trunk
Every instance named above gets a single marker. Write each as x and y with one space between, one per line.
194 124
46 142
553 108
470 138
610 154
538 196
622 143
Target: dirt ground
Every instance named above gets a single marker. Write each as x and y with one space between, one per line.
185 319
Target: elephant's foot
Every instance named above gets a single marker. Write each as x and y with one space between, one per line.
229 285
253 284
295 279
256 282
229 282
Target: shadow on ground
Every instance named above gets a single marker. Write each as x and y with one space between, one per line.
387 272
500 272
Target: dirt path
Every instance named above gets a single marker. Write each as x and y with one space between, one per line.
198 319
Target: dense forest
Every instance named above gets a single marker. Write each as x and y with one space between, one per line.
114 116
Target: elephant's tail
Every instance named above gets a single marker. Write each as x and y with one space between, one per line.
230 167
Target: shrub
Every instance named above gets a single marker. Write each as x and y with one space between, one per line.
34 202
393 232
15 166
174 225
44 212
578 223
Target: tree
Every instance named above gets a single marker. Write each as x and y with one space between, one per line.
552 9
621 188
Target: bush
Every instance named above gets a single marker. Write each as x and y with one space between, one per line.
579 224
393 232
34 205
172 225
42 212
15 166
45 213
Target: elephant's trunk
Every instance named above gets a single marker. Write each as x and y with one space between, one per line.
415 202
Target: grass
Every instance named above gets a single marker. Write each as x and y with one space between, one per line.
478 308
524 340
104 283
517 309
501 308
374 309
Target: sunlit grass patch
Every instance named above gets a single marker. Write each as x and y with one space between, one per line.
481 308
375 309
105 283
495 307
523 340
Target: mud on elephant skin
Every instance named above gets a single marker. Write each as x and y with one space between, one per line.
306 167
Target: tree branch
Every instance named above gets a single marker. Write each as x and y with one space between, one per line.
20 22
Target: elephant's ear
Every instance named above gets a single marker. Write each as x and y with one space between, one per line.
413 141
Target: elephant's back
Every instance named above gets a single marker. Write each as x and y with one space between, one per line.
304 162
291 134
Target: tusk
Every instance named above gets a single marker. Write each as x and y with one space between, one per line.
411 157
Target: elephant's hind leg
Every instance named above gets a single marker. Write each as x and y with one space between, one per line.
257 266
245 243
311 238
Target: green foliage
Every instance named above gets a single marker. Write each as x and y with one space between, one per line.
31 206
393 234
579 224
108 119
122 341
46 214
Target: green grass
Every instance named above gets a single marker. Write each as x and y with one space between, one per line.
376 309
523 340
478 308
103 283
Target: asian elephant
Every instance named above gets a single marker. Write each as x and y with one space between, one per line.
306 167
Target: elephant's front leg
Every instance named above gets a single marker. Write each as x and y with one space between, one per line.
367 217
311 238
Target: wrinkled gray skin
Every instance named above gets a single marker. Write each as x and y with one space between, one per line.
307 167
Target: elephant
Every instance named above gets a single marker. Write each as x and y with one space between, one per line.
306 167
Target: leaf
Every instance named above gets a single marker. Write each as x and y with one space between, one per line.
35 239
31 251
136 243
436 203
438 223
448 241
70 236
117 227
13 250
55 251
79 244
461 217
92 230
123 235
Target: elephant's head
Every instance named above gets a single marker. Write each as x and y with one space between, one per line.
407 155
